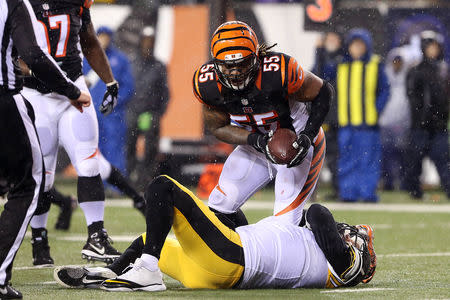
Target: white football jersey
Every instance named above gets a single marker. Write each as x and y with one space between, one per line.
279 254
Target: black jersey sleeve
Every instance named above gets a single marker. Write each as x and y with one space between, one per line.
206 87
86 14
25 34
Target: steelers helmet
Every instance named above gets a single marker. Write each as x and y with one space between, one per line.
234 48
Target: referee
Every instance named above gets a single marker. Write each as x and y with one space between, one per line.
21 163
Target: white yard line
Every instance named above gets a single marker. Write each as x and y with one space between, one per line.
357 290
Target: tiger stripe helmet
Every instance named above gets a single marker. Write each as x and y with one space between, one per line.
234 47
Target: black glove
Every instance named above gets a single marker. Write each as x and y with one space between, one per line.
303 143
110 98
259 142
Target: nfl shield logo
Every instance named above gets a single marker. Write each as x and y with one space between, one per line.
45 6
244 101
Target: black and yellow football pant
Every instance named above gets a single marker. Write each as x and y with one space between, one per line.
206 253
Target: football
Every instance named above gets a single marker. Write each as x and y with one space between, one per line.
281 145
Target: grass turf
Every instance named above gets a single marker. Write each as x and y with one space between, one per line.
397 277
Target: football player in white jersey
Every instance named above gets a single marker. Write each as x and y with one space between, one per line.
273 253
66 30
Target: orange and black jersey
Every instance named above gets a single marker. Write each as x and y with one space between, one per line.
62 21
264 104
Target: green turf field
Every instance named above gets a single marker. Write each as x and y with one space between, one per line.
412 247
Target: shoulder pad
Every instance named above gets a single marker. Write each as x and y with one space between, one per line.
271 75
206 86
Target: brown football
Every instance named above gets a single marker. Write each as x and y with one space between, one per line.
280 145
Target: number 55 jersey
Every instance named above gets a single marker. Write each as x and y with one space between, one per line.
263 105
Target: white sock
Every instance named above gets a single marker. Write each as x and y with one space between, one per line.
39 221
94 211
150 262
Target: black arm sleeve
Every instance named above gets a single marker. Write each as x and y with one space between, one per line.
24 36
319 110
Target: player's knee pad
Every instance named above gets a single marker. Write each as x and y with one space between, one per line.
224 198
87 165
104 167
158 188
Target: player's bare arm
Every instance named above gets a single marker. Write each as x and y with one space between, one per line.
218 123
95 55
310 88
97 59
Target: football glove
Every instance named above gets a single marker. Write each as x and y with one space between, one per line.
302 144
110 98
259 142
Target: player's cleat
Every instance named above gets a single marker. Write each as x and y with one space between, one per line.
68 204
98 247
368 231
8 292
79 277
137 278
41 249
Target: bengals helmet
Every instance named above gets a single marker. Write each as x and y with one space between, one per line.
234 47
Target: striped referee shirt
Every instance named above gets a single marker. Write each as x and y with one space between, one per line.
19 33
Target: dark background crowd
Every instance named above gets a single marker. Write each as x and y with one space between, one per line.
391 108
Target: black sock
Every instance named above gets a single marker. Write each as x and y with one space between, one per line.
95 227
56 197
118 180
159 214
327 237
90 189
128 256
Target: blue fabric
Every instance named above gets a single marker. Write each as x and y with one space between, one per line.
383 88
359 163
113 128
362 34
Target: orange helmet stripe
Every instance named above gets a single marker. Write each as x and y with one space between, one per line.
233 38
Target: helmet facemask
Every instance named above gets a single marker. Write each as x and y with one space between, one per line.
237 72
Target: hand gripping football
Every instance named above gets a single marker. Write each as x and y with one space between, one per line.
282 145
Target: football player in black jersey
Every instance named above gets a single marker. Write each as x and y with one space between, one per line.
247 92
66 29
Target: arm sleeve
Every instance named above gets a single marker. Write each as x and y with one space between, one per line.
382 89
25 33
319 110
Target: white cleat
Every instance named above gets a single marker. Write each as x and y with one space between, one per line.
137 278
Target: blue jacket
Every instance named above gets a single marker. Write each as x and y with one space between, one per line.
382 92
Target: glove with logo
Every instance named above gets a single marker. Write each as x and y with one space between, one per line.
303 143
259 142
110 98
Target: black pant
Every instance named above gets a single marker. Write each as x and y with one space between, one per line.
427 143
22 169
